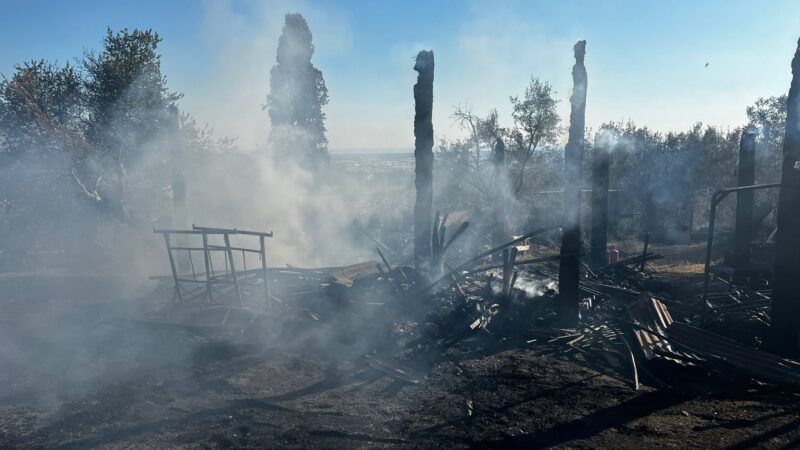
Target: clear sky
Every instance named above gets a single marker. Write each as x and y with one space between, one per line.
646 60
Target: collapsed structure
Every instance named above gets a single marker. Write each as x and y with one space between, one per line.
620 307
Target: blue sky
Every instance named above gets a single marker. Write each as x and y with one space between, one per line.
645 59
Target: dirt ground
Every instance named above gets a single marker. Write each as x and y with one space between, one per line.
72 376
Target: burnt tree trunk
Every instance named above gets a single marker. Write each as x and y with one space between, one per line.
423 157
785 315
744 200
600 161
569 269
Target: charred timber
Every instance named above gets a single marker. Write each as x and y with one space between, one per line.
785 332
744 200
423 158
569 269
179 213
499 179
600 161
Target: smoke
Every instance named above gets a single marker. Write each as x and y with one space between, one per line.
533 287
60 334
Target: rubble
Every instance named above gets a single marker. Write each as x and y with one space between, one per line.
406 328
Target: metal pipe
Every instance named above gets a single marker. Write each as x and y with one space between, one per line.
231 231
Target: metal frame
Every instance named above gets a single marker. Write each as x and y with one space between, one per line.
209 278
716 198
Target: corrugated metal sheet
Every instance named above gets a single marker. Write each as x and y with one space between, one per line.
755 362
650 314
661 337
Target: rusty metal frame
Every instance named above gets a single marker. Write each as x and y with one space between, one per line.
209 278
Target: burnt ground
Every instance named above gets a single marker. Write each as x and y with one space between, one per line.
73 376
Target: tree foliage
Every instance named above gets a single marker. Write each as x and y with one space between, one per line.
768 117
536 124
126 93
669 175
37 100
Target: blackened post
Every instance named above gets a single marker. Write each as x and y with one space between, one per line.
229 252
178 182
179 218
600 161
263 252
173 268
644 251
209 272
744 200
785 315
569 269
499 192
423 156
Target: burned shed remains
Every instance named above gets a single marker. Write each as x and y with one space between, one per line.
524 287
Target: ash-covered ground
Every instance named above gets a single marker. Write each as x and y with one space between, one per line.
76 376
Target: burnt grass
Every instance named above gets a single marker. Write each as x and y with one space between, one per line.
72 377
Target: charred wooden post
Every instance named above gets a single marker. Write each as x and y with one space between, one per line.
178 294
785 333
229 252
209 272
744 200
569 269
179 214
423 157
262 251
644 251
499 192
600 161
178 183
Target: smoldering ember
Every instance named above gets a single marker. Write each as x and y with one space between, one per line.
530 276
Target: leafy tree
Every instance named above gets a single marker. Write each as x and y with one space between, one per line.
201 139
455 185
768 116
484 132
297 95
40 108
536 124
464 156
126 103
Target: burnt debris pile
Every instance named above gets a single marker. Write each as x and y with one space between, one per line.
403 311
632 322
